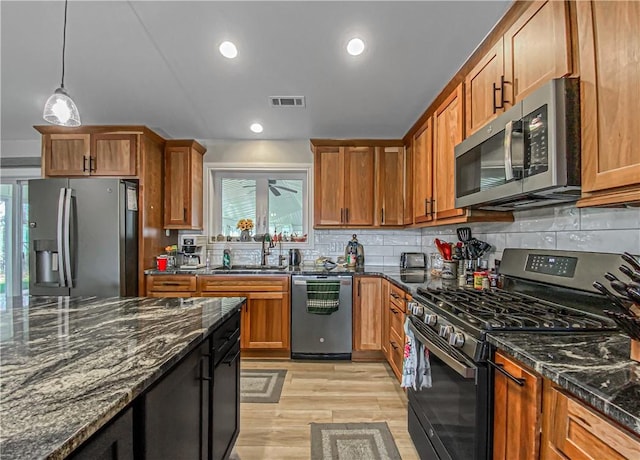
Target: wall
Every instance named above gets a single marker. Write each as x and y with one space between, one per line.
257 152
564 227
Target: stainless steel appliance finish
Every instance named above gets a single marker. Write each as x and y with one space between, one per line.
544 291
192 247
320 336
413 260
295 257
527 157
83 237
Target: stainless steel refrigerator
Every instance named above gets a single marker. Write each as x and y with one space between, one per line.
83 237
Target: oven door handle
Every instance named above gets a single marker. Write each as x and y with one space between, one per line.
465 371
500 368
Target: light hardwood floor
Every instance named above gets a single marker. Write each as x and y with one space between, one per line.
322 392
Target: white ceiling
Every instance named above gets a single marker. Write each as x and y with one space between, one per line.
156 63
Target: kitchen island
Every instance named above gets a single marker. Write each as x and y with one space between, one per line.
70 365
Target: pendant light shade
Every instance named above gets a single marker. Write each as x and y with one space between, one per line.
60 108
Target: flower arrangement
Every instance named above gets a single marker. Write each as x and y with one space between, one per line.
245 224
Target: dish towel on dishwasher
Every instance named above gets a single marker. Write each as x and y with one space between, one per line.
416 368
323 296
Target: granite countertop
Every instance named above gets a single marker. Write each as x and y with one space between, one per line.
594 367
69 365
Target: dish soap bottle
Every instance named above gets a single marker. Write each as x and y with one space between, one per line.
226 258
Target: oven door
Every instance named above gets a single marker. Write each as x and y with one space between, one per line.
450 419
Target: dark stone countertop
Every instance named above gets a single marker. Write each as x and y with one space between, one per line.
69 365
594 367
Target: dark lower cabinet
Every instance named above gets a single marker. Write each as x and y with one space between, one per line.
226 403
176 411
112 442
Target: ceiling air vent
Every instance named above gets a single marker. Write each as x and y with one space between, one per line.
287 101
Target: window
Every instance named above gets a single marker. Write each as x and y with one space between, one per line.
276 201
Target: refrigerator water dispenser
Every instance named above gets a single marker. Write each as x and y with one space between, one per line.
46 252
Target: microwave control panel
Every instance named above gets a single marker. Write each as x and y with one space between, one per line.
552 265
536 141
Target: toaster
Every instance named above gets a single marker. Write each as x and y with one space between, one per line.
413 260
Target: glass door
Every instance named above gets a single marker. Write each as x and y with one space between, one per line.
14 240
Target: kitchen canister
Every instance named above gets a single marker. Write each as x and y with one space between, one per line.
449 270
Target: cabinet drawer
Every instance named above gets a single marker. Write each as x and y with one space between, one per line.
397 297
396 320
243 283
396 349
171 283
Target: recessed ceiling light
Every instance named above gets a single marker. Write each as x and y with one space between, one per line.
228 50
256 128
355 47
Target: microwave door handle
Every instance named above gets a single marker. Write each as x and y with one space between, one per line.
59 235
508 138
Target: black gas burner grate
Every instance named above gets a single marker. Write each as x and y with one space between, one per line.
503 310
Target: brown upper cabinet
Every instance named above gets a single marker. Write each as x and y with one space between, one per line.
610 96
389 190
448 131
535 49
344 185
422 150
89 154
183 190
408 184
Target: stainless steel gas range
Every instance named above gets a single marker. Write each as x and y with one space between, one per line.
546 291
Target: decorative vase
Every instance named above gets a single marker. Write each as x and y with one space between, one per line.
245 235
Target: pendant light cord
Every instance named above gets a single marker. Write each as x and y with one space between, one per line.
64 40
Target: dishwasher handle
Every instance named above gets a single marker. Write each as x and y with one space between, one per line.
343 280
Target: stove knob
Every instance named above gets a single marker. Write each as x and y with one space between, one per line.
456 339
431 319
417 309
445 331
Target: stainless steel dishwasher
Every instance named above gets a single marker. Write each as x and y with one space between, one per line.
320 336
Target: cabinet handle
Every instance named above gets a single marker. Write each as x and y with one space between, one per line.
359 284
433 207
495 90
92 168
382 215
84 164
394 295
341 215
394 311
230 361
184 211
500 368
346 213
169 283
393 344
202 376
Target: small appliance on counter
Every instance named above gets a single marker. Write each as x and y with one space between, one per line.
295 257
413 260
192 247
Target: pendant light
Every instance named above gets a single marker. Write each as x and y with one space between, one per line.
60 108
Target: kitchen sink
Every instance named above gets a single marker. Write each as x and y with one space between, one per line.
252 268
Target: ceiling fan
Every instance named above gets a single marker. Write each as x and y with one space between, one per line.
275 189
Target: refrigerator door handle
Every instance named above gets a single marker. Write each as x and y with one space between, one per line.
67 238
61 201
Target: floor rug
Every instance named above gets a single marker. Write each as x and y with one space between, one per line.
352 441
261 385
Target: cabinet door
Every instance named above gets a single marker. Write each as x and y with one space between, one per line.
517 412
610 92
176 187
536 48
66 154
328 164
113 442
114 154
386 349
408 183
176 411
225 420
390 171
367 317
573 431
359 185
448 131
266 322
422 173
483 90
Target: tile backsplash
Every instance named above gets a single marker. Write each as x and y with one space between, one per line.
563 227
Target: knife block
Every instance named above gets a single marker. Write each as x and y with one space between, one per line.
635 350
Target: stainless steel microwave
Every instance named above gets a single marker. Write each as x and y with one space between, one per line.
527 157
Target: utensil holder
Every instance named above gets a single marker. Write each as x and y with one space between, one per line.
635 350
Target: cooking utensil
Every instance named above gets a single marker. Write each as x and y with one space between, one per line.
612 297
619 287
628 258
444 248
611 277
464 234
633 293
634 275
629 324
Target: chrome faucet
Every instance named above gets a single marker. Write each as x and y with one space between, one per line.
265 252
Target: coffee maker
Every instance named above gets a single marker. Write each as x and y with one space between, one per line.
192 248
